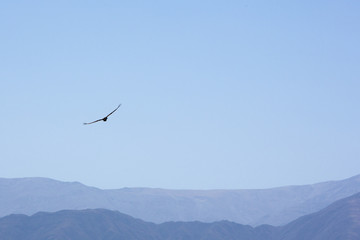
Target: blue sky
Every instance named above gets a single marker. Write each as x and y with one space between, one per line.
215 94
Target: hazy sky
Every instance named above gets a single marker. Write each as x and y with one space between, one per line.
215 94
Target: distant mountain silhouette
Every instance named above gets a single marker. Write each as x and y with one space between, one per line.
75 225
276 206
340 220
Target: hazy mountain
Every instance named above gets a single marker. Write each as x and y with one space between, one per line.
75 224
275 206
340 220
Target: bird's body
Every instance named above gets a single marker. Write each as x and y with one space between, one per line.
105 118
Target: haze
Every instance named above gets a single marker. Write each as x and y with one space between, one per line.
214 94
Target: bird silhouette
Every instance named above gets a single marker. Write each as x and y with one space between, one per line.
104 118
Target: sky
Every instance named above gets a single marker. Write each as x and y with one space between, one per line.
215 94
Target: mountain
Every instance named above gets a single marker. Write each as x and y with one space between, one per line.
340 220
276 206
75 224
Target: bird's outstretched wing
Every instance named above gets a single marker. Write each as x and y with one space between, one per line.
113 111
93 121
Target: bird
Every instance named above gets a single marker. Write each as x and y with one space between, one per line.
104 118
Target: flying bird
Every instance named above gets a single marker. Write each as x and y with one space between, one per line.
104 118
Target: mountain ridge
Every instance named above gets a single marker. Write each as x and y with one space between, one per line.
275 206
339 220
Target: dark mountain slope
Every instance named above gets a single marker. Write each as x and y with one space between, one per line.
339 221
95 224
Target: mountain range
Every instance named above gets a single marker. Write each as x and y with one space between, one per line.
276 206
339 221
